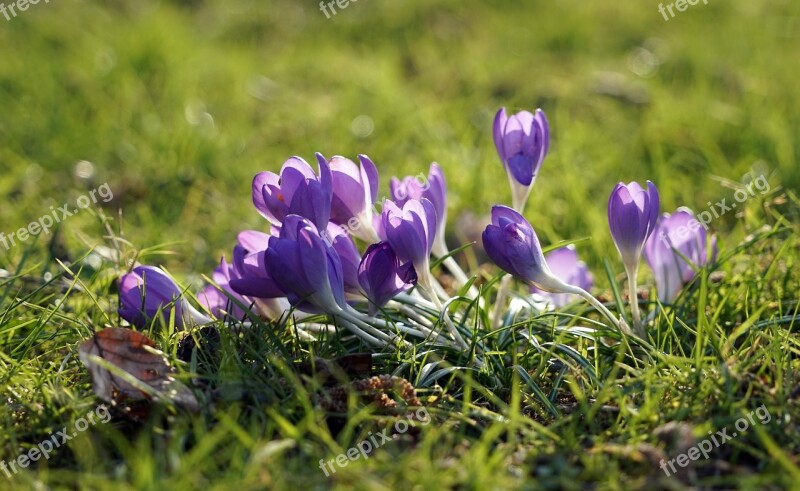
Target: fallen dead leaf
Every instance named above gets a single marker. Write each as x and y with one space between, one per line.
126 367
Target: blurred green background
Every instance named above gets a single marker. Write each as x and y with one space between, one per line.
178 104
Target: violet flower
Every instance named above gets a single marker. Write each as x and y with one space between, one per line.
355 190
522 141
434 189
632 215
249 276
382 276
306 267
410 231
147 291
348 254
512 244
677 238
297 190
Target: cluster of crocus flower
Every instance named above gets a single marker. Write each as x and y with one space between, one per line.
522 142
307 260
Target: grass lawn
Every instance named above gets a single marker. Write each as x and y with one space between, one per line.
165 110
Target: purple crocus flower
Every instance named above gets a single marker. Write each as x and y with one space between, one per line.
297 190
435 190
346 249
146 291
249 273
522 141
382 276
566 266
410 231
355 190
306 267
676 238
632 215
511 243
219 303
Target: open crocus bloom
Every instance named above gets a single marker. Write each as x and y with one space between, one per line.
297 191
677 237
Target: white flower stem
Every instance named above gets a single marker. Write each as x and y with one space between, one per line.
424 282
620 323
634 300
365 327
362 335
422 330
500 301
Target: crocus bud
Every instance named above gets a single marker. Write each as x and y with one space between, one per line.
435 190
522 141
306 267
297 190
355 189
147 290
341 242
566 266
382 276
410 231
511 243
632 215
676 238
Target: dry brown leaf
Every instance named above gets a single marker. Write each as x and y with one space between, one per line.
137 371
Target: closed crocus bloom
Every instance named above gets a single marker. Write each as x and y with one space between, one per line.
522 141
677 237
382 276
511 243
147 290
297 190
632 215
434 189
355 190
348 254
306 267
410 231
566 266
